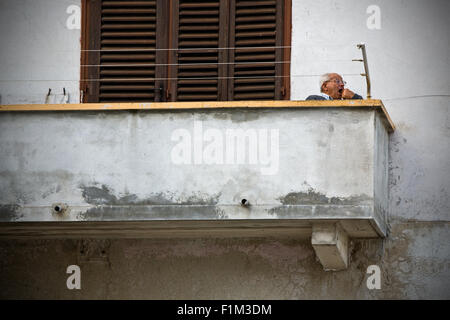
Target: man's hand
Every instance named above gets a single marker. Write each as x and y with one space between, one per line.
347 94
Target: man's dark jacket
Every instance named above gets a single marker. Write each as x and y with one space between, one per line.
316 97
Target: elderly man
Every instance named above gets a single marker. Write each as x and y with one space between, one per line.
332 88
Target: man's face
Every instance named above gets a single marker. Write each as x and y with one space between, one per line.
334 87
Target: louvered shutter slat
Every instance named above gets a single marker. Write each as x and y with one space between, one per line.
199 74
212 82
120 87
202 65
197 97
256 58
198 43
205 59
249 80
121 26
254 96
128 34
204 89
124 57
128 74
112 3
257 26
126 95
199 28
126 19
253 72
199 5
132 42
241 4
255 88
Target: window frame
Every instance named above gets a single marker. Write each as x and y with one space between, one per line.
165 90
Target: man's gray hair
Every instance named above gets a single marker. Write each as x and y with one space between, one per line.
324 78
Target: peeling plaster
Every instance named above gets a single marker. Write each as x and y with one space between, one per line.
312 197
156 206
312 203
104 196
163 212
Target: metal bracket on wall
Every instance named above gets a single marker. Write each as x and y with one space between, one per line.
362 46
330 242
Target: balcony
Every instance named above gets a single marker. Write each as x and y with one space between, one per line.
307 169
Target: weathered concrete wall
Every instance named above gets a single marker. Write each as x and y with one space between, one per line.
156 165
413 261
408 59
40 49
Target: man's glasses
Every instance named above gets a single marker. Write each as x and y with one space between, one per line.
338 81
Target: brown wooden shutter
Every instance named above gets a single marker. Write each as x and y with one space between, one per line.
185 50
90 43
198 67
126 34
256 31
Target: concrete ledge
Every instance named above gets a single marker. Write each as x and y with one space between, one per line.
369 103
354 228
